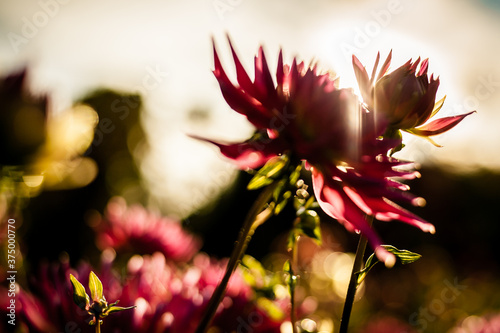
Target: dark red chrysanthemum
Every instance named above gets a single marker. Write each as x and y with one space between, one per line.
406 96
304 115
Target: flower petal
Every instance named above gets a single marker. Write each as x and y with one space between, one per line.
438 126
363 80
249 154
238 100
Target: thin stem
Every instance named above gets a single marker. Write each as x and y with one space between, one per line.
255 217
293 317
98 326
353 283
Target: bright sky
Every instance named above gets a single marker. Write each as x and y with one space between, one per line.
162 49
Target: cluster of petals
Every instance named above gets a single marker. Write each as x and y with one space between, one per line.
168 297
141 231
405 96
303 113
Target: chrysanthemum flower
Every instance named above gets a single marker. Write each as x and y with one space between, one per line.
168 298
140 231
406 96
304 115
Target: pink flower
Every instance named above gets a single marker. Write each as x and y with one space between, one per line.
136 229
305 116
168 298
405 96
473 324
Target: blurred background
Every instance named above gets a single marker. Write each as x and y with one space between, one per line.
145 67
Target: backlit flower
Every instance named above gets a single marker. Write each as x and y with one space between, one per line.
137 230
406 96
305 116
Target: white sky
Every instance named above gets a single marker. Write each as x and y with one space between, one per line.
74 46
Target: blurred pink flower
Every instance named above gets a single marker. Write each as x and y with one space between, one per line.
307 117
139 231
405 96
169 298
474 324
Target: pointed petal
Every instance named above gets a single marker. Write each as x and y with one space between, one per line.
374 71
423 67
437 106
250 154
438 126
385 66
263 79
237 99
280 73
243 79
363 80
240 102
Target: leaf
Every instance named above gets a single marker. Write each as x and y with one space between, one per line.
95 286
79 295
271 309
268 173
405 256
309 225
113 308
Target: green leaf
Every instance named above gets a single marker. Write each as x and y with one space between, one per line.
271 309
309 225
405 256
79 295
95 286
268 173
113 308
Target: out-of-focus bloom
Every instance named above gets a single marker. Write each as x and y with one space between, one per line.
406 96
137 230
168 298
305 116
475 324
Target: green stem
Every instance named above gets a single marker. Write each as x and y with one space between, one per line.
293 317
98 326
353 283
252 221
